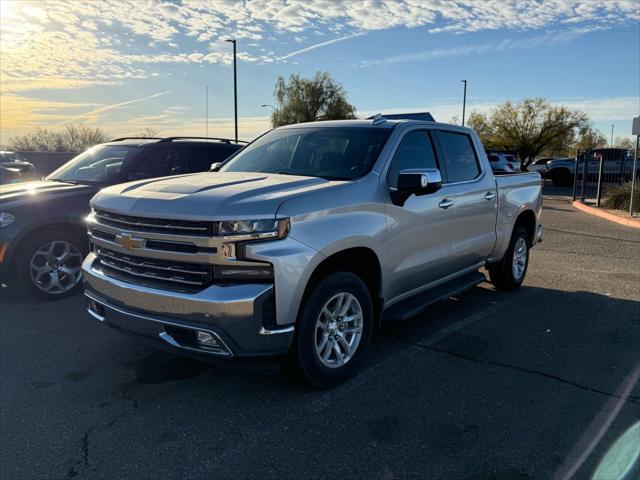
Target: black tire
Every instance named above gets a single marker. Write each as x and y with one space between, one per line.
26 285
502 273
561 177
303 357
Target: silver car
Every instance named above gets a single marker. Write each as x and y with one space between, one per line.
303 241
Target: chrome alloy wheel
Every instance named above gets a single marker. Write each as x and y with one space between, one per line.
56 267
519 261
338 330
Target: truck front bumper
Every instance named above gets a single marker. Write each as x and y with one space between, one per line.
219 321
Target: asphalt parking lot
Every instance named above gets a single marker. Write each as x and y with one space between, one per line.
488 385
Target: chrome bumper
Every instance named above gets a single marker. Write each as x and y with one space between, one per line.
237 316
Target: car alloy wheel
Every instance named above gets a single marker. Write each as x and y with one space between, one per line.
338 330
56 267
519 261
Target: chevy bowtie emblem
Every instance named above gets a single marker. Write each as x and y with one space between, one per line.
128 242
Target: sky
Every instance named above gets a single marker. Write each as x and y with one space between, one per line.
130 65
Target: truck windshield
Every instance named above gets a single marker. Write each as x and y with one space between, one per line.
333 153
97 165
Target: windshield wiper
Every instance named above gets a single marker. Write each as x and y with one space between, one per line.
62 180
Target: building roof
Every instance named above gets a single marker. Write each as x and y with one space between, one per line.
424 116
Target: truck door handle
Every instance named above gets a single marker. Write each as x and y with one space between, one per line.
489 196
446 203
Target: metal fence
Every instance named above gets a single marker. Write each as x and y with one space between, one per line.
598 171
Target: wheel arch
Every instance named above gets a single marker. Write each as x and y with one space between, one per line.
527 219
361 261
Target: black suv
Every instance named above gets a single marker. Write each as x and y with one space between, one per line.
42 233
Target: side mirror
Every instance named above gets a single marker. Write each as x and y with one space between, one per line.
416 182
215 166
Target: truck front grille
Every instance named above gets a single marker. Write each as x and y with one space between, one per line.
156 225
155 272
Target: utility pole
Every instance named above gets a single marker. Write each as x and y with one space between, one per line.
235 86
464 100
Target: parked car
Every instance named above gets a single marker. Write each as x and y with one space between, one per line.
304 239
616 161
503 162
42 231
540 165
15 162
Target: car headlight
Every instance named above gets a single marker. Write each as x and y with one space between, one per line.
6 219
253 229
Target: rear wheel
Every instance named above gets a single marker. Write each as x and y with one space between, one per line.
49 266
509 273
333 330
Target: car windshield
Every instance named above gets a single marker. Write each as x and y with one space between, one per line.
10 157
333 153
97 165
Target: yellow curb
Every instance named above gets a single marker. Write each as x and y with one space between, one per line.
629 222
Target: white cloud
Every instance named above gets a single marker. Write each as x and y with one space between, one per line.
321 44
599 109
101 41
96 112
548 39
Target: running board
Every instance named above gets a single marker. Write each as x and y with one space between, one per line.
412 306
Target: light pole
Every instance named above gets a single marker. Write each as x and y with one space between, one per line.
275 111
611 144
464 100
235 86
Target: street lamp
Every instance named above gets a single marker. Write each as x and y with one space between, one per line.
235 86
275 111
464 100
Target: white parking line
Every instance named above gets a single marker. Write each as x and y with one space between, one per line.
598 427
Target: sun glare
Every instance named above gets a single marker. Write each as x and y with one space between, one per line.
7 9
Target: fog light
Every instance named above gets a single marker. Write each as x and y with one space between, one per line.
205 339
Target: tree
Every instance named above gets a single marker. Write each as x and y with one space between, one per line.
588 137
309 100
624 142
71 139
529 127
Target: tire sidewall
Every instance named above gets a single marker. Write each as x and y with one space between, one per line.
22 268
520 232
304 351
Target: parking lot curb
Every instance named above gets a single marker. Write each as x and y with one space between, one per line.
629 222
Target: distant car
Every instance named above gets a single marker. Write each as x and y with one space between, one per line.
15 162
9 175
42 232
540 165
503 162
616 162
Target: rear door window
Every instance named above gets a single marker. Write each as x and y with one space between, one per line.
459 156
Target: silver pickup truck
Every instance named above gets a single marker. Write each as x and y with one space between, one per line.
299 244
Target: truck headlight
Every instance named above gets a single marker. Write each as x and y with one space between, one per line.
253 229
6 219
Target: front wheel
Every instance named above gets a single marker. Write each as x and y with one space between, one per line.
333 330
49 266
509 273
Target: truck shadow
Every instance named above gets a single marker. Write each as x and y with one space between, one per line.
467 324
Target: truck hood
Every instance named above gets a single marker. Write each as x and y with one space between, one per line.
209 195
15 194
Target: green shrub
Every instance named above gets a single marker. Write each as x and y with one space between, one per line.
618 198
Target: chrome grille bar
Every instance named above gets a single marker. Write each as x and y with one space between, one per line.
176 227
